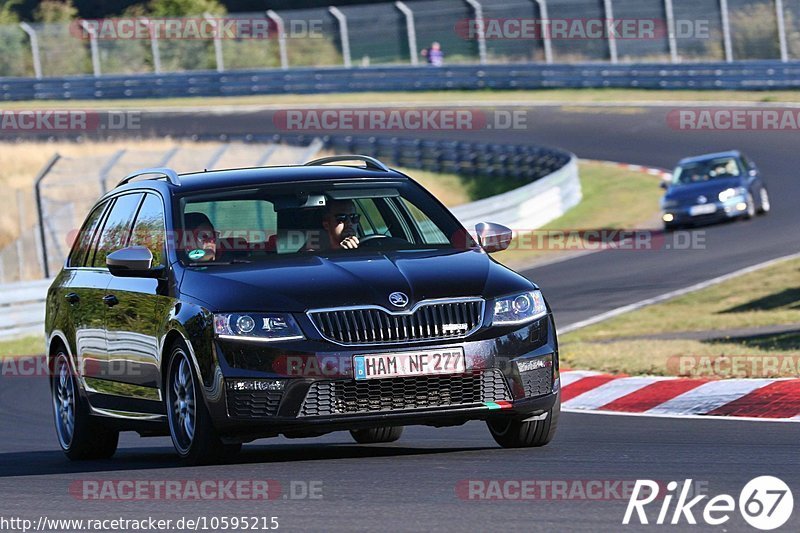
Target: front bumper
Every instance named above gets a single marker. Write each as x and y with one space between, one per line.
307 388
723 211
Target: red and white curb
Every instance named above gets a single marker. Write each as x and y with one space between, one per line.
662 173
772 399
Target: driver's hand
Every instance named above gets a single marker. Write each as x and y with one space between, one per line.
350 243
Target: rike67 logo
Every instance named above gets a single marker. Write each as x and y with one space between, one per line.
765 503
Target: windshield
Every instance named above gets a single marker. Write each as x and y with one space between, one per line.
320 218
700 171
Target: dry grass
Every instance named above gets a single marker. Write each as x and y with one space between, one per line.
682 357
22 161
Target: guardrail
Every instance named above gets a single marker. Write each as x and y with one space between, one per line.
743 75
550 187
529 207
22 308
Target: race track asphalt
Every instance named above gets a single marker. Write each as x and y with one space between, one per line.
409 485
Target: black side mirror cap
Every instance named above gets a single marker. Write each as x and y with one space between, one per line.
133 262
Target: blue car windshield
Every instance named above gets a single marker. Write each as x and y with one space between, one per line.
701 171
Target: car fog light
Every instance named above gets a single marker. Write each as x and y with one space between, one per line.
256 384
741 206
668 217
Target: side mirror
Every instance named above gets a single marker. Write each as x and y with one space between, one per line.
132 262
664 185
493 237
753 172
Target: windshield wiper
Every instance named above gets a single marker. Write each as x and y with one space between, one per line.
231 262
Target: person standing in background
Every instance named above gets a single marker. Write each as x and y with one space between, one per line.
435 55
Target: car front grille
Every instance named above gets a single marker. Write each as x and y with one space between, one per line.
325 398
253 404
428 321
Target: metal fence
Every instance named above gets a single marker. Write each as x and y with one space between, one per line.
70 186
469 31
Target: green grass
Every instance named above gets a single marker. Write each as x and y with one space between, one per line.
605 189
770 296
571 96
450 189
33 345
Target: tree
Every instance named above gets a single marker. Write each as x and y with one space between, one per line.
15 57
55 11
179 8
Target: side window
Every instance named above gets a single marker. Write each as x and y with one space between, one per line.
83 241
372 221
149 229
117 227
431 234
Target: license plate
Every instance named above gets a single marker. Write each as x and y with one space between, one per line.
395 365
704 209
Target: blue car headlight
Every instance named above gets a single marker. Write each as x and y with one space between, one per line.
260 327
519 308
732 195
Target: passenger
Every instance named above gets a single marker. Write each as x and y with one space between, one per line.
200 242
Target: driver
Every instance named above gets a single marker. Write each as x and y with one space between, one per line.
340 227
340 222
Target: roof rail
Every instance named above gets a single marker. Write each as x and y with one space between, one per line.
371 162
164 172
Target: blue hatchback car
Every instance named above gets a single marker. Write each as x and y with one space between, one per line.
712 188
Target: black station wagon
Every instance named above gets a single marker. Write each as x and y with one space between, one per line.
226 306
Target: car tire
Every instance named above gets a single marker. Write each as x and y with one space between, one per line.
751 207
80 435
514 433
377 435
764 204
190 427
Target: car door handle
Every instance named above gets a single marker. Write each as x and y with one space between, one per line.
110 300
72 298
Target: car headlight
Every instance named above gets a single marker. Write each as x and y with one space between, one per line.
261 327
669 204
730 194
519 308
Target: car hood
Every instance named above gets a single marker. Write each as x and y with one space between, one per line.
299 283
709 189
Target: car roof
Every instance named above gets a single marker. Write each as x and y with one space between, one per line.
217 179
706 157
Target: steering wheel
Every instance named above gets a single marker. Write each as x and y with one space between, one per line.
369 238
